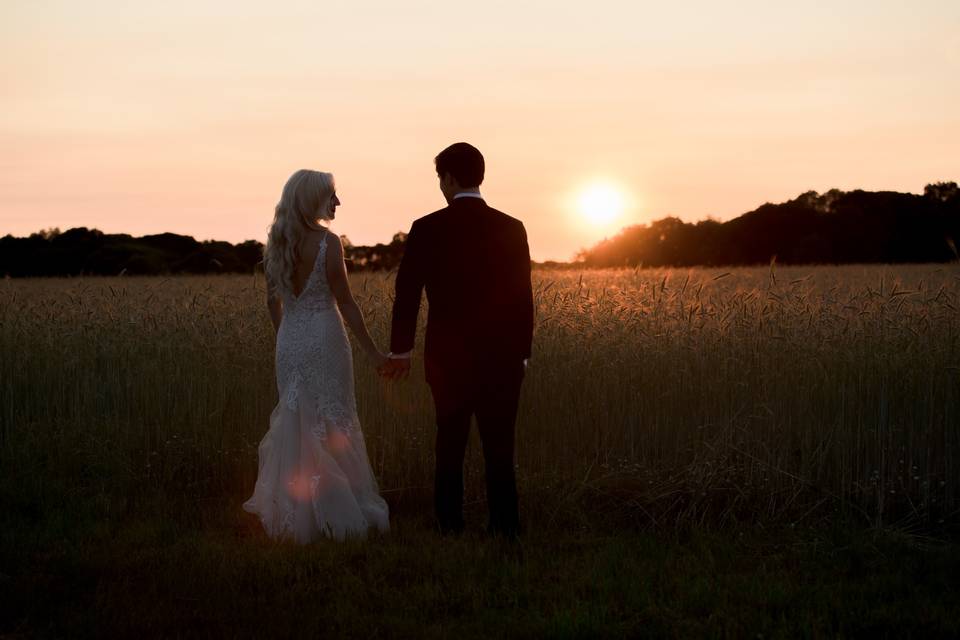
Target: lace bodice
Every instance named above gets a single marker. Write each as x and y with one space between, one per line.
316 294
313 357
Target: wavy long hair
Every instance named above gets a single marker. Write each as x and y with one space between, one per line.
302 197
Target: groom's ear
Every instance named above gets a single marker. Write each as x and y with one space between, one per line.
449 182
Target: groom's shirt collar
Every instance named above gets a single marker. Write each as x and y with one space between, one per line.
468 194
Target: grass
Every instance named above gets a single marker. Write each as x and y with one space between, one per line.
165 576
700 453
154 578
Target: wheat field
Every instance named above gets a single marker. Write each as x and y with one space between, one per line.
660 398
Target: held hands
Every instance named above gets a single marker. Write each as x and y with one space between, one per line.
391 367
395 368
378 360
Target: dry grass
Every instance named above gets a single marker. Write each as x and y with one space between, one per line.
661 397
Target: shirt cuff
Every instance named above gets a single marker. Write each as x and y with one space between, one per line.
399 356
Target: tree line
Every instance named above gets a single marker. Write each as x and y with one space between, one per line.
835 227
83 251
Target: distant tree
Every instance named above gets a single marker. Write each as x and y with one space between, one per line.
941 191
377 257
829 200
250 254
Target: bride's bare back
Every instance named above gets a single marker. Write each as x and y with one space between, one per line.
307 251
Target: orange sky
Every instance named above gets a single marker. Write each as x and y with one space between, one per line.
186 118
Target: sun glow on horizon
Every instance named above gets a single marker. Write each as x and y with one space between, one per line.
601 203
194 115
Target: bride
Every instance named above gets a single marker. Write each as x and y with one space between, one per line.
314 477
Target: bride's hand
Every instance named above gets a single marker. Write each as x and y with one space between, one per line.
378 359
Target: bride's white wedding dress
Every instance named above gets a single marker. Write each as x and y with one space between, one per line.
315 478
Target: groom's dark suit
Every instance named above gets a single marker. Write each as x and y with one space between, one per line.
474 263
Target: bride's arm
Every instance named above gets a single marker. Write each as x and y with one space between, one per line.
274 306
337 277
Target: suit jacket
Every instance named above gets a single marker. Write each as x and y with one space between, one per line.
474 263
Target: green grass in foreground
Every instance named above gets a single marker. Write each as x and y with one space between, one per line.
69 573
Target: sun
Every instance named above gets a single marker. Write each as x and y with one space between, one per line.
601 203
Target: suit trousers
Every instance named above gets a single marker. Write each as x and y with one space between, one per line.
491 392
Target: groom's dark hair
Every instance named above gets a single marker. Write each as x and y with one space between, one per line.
462 161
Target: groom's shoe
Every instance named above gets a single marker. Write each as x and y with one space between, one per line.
507 533
450 532
450 528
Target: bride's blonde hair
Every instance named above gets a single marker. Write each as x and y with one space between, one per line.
302 197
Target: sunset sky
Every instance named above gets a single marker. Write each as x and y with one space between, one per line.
188 116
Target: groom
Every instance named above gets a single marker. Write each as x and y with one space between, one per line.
474 263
